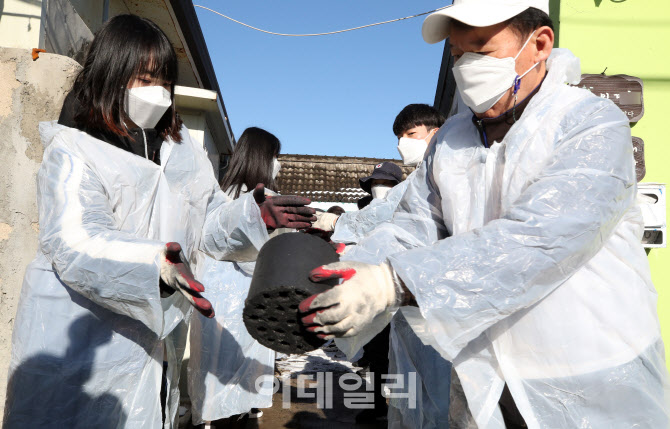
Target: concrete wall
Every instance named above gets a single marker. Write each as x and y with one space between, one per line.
629 37
30 92
20 23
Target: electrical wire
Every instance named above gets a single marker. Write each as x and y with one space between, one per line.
320 34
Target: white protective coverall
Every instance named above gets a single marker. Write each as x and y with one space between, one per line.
88 343
351 227
406 353
225 361
420 401
525 260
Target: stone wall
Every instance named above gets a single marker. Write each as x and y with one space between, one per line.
30 92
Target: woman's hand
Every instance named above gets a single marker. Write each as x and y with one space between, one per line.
284 211
177 275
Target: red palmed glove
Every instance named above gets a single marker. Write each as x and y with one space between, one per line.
177 275
344 310
284 211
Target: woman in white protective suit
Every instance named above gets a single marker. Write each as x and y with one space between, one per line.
227 368
518 241
125 198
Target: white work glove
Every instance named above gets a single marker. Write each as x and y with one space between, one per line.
325 221
176 274
344 310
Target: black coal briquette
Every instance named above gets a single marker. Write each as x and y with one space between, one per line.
280 282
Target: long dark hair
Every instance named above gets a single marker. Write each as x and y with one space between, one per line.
251 162
125 47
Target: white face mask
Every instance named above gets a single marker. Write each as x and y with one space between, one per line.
482 80
276 166
380 191
146 105
412 150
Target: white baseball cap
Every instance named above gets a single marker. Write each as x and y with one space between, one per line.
477 13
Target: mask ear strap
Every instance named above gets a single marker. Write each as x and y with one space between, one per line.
517 86
524 45
517 79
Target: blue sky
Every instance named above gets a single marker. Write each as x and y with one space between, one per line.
332 95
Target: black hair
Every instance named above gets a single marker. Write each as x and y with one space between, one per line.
528 21
335 210
416 115
252 161
125 47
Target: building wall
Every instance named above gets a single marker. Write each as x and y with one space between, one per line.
20 23
90 12
212 151
65 31
117 7
73 23
630 37
30 92
195 124
199 131
70 25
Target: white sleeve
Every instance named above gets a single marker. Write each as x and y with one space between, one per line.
79 236
351 227
466 283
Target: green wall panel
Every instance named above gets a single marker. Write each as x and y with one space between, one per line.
631 37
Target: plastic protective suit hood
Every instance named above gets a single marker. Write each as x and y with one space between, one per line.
525 260
225 361
92 330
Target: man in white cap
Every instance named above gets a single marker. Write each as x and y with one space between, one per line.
518 240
